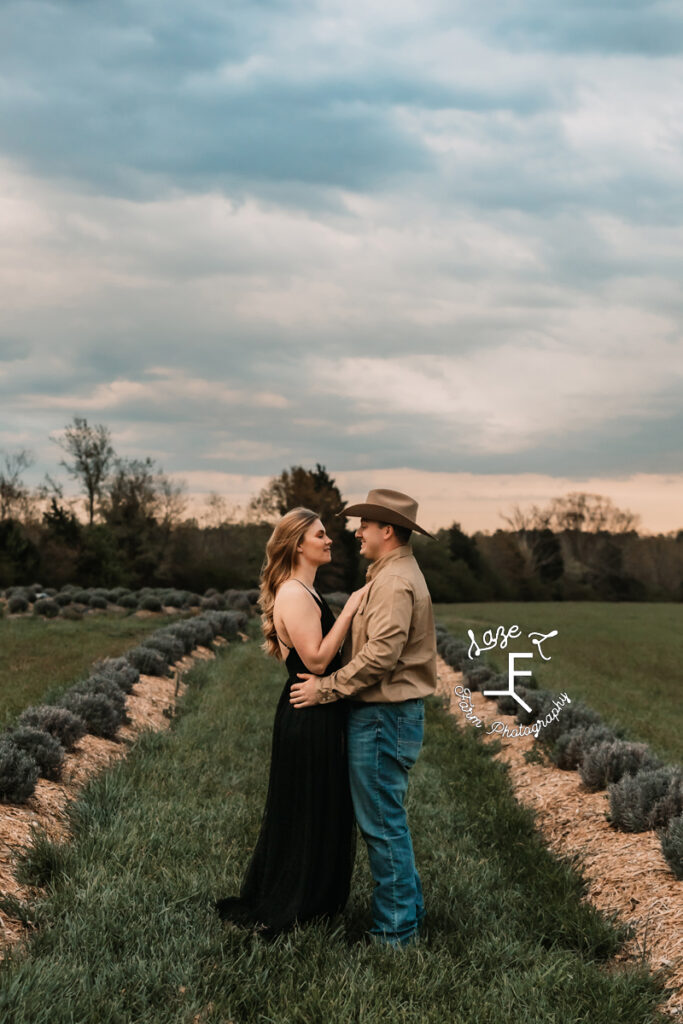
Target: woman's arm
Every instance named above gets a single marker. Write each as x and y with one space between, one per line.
300 614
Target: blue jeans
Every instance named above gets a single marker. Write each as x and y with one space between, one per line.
384 740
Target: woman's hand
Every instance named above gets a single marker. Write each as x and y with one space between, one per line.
351 606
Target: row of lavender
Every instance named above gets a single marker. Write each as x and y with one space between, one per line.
644 792
73 601
36 744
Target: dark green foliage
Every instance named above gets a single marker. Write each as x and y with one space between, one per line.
82 596
498 681
46 751
215 602
454 653
540 702
180 631
118 669
150 603
171 647
227 624
646 800
98 601
108 687
238 601
46 607
476 673
203 632
128 601
63 599
17 603
175 599
253 595
570 748
610 760
64 725
671 839
506 703
71 612
18 773
148 661
571 717
100 714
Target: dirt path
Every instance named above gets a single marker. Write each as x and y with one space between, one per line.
44 808
626 872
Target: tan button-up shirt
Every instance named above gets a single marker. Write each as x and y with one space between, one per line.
393 644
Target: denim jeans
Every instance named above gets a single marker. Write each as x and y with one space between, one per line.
384 740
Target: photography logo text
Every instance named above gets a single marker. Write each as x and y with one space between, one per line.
501 638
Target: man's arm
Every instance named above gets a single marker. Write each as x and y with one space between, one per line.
389 612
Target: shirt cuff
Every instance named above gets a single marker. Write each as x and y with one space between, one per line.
325 694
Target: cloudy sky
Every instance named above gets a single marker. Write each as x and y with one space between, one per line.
434 246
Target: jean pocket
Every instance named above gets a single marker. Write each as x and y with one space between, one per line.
410 733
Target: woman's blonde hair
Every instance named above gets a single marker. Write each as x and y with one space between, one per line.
279 565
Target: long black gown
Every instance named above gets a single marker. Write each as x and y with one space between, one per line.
304 855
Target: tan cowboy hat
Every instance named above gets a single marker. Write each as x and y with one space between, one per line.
387 507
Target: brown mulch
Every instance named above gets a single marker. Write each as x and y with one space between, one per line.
44 808
625 872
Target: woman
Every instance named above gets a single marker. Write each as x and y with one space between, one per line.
302 862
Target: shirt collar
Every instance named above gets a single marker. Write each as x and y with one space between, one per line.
400 552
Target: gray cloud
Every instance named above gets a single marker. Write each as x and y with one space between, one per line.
205 204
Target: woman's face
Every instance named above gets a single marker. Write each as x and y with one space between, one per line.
316 545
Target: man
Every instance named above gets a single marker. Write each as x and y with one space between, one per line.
391 670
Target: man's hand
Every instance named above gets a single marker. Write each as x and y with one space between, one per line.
305 695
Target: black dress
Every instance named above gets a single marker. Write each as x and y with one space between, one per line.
303 859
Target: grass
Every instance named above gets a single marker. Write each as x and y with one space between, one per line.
42 657
126 930
623 659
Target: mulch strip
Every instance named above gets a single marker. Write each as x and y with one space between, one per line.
145 705
626 872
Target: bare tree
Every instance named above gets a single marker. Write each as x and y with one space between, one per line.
172 500
91 453
218 510
14 495
589 513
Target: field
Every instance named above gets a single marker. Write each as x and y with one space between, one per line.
39 657
126 929
622 659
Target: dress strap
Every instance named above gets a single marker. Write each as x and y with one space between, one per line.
311 592
282 642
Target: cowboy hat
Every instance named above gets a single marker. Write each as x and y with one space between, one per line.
387 506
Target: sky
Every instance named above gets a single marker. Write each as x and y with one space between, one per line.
431 246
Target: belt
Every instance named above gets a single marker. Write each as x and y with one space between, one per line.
364 703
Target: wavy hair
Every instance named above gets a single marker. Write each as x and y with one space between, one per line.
279 565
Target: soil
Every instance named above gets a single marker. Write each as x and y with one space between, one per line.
626 872
145 705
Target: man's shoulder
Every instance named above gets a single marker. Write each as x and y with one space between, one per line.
404 570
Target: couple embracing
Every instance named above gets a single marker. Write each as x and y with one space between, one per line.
348 727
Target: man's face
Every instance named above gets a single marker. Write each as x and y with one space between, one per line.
372 538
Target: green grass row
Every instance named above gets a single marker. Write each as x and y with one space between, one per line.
39 659
126 929
623 659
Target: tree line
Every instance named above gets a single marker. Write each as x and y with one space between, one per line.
135 532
